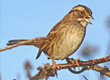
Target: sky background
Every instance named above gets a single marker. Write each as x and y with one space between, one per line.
26 19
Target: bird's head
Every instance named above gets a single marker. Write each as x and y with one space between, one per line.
82 14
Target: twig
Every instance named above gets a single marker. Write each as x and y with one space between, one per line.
17 44
48 70
103 70
85 77
0 76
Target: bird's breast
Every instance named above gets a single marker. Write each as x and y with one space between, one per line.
66 42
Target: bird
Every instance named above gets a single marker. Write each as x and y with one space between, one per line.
64 38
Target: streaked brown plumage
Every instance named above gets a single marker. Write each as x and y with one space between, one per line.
65 37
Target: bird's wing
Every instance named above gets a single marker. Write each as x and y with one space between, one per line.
50 37
47 39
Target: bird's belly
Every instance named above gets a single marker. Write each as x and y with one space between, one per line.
67 47
66 44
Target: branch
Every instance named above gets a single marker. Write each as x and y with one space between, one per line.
15 45
48 70
103 70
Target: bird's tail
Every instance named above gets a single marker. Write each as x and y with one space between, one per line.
35 42
11 42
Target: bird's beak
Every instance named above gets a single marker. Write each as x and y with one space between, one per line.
87 19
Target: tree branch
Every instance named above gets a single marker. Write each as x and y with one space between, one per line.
48 70
17 44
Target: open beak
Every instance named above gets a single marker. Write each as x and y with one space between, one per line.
87 19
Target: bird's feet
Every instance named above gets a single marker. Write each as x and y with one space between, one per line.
55 67
73 61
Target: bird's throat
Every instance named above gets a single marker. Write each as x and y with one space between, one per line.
83 23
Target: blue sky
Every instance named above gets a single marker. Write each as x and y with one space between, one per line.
26 19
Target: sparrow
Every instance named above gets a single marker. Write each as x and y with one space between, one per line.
64 38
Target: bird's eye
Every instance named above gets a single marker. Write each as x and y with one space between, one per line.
82 12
